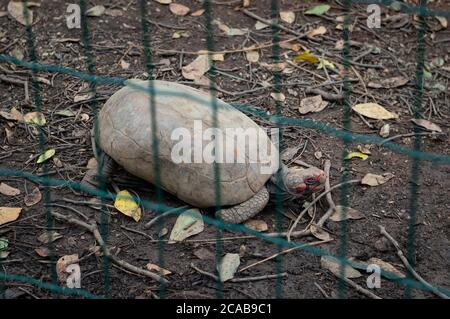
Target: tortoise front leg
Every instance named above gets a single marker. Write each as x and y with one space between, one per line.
107 167
246 210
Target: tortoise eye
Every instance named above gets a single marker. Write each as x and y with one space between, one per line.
310 181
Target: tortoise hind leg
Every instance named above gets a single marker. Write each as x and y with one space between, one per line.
107 167
246 210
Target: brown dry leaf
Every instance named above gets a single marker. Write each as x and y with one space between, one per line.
63 271
17 115
279 97
256 224
7 190
376 180
428 125
114 12
338 214
389 83
178 9
385 130
312 104
10 136
287 16
47 237
218 57
198 13
42 251
334 265
35 118
196 68
252 56
246 3
16 10
374 111
319 233
275 67
385 266
96 11
157 269
9 214
365 149
33 198
318 31
92 163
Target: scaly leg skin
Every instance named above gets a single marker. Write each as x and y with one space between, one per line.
107 164
246 210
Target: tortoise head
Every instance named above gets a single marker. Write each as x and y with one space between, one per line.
302 182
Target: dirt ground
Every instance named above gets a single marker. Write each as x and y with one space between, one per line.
118 38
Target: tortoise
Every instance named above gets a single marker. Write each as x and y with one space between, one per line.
125 138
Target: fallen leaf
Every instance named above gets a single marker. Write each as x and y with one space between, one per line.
164 1
334 265
68 271
66 112
198 13
178 9
259 25
83 97
279 97
17 115
312 104
387 267
385 130
92 163
228 266
204 254
374 111
252 56
246 3
18 53
318 155
442 21
287 16
318 31
163 232
230 31
7 190
4 254
428 125
35 118
318 10
42 251
9 214
96 11
375 180
307 56
16 10
343 213
46 155
357 154
290 152
197 68
124 64
319 233
114 12
48 237
256 224
274 67
188 224
157 269
176 35
126 204
388 83
33 198
364 149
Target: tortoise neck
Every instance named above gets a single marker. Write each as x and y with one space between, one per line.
277 181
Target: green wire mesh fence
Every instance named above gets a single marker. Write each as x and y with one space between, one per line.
278 120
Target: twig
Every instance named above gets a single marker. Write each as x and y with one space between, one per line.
70 208
331 204
408 265
325 95
408 135
285 252
358 287
170 211
322 290
92 227
353 181
137 232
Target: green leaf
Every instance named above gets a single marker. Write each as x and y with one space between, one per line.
46 155
188 224
228 266
427 74
318 10
66 112
3 243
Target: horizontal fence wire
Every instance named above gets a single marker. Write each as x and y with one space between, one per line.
278 120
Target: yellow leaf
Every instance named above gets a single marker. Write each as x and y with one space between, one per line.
307 56
46 155
357 154
9 214
325 62
374 111
125 204
36 118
